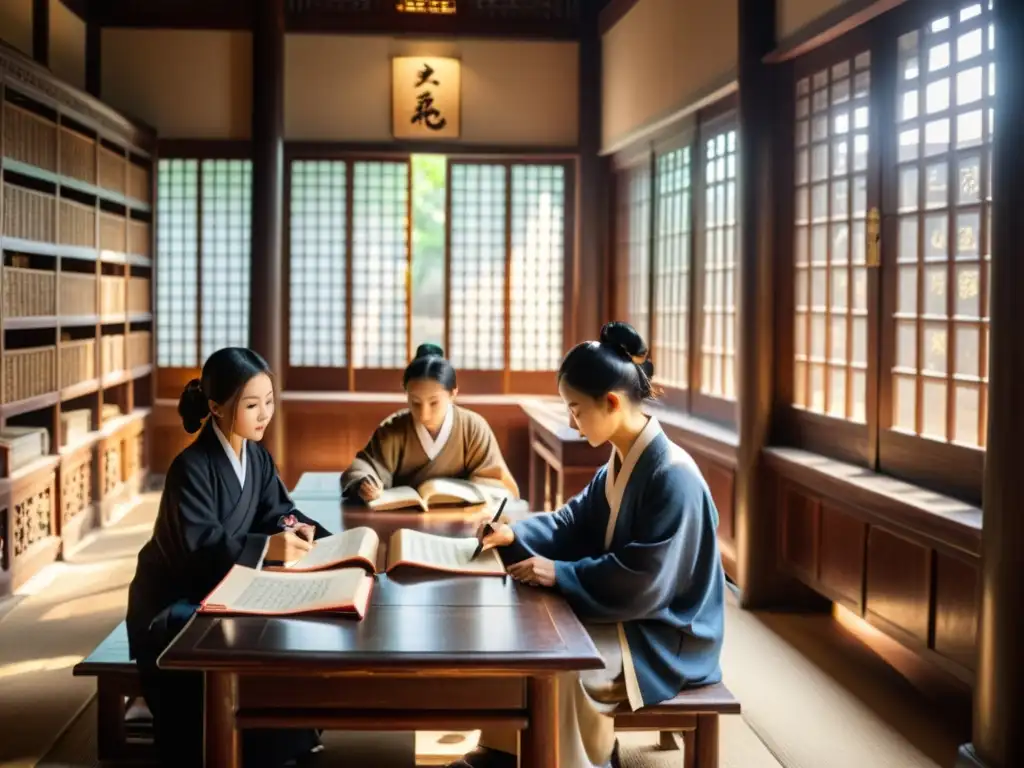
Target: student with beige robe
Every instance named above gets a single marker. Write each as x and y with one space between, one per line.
635 555
432 438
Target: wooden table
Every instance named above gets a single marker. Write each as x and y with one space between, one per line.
433 652
561 462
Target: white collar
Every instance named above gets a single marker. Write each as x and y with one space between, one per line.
615 485
432 447
237 464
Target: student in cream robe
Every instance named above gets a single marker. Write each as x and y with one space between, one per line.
635 555
223 504
432 438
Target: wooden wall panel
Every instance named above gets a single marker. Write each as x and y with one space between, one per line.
898 584
916 589
800 520
956 610
841 557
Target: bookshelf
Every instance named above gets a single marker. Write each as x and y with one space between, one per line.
76 351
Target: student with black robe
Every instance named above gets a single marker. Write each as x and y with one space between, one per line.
223 504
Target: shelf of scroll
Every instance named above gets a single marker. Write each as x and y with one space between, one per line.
47 506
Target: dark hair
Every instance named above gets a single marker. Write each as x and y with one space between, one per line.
616 363
430 363
225 374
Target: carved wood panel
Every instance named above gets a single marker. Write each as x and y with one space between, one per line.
33 518
111 467
75 489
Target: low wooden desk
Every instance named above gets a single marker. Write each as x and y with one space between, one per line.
561 462
433 652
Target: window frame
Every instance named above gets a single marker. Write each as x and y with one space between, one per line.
945 467
169 381
711 120
352 379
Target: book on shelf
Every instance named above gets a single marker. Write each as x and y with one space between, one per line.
406 548
248 591
438 492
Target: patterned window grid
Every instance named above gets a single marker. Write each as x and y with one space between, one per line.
380 264
538 267
831 291
426 6
226 233
634 227
945 101
317 264
177 259
718 354
672 266
476 268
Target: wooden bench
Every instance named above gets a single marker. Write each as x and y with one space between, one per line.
117 683
693 713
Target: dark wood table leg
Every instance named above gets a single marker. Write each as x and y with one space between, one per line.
110 736
538 747
706 737
222 738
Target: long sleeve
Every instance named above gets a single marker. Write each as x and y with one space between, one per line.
566 534
190 498
379 459
274 501
642 577
484 462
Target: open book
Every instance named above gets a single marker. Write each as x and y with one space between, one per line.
439 492
248 591
406 547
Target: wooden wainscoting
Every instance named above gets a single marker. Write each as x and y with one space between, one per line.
904 560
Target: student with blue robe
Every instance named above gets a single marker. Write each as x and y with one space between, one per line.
223 504
635 555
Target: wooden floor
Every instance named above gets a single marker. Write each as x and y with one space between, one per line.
814 695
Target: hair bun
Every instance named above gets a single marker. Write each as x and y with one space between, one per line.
624 339
429 350
193 406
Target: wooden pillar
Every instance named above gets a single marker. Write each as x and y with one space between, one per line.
41 31
998 737
93 46
592 183
754 507
265 312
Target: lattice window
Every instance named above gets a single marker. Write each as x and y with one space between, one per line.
538 267
426 6
831 292
945 101
633 235
317 264
224 283
476 268
718 355
177 259
380 264
672 266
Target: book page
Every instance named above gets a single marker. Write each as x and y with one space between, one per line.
245 590
446 490
347 547
442 553
397 498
